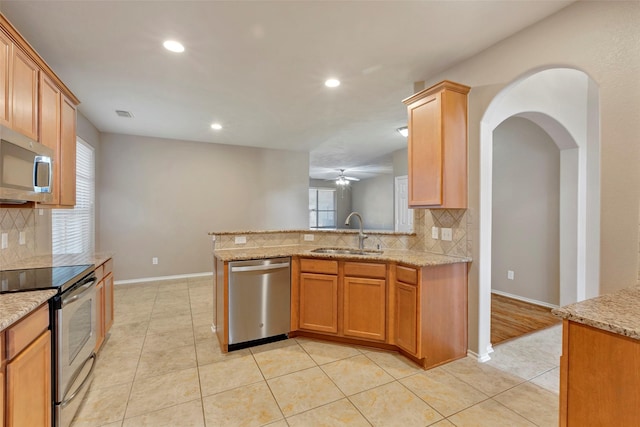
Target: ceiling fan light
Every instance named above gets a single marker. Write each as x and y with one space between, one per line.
404 131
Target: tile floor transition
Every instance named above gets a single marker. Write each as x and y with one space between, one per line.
162 366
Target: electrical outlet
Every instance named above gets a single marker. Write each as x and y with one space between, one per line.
23 238
154 260
434 233
40 212
5 241
241 240
309 237
447 234
510 274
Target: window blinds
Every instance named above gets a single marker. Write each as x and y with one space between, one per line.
73 229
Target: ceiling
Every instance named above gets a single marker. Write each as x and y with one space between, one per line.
258 67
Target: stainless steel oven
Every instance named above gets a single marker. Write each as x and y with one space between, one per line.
73 325
74 328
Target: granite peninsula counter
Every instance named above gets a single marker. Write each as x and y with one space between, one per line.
618 312
409 257
600 362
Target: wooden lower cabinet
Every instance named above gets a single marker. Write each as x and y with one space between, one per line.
104 301
406 321
319 302
26 374
430 312
599 378
29 385
100 329
108 301
2 393
364 308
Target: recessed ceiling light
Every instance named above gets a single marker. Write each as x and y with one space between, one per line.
173 46
216 126
332 83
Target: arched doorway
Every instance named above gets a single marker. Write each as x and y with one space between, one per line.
564 102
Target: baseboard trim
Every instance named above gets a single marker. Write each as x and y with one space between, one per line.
524 299
161 278
479 358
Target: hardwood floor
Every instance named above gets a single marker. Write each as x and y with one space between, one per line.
511 318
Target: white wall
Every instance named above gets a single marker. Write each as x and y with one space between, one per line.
526 197
600 38
160 198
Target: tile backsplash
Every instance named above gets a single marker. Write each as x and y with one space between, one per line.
13 221
456 219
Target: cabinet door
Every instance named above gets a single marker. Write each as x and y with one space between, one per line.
319 302
24 109
50 97
2 394
100 330
108 302
6 54
425 152
365 308
406 311
29 385
67 153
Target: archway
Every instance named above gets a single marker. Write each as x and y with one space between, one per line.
564 102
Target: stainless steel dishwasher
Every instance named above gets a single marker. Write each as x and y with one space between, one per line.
259 301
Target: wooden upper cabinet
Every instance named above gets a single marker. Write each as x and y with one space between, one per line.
67 153
50 105
437 122
6 55
24 82
58 132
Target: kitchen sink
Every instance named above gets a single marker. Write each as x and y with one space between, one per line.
345 251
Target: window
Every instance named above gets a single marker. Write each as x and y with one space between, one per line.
322 208
73 229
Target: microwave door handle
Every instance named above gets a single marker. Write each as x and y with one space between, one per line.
42 159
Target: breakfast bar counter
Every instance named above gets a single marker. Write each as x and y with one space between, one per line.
409 257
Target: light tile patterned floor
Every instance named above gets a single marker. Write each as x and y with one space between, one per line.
162 366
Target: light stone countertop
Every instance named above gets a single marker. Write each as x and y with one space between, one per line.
618 312
414 258
310 231
59 260
14 306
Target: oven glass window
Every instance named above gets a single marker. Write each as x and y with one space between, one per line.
79 329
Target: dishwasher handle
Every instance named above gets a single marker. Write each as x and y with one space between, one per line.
259 267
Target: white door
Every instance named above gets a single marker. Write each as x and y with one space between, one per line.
403 215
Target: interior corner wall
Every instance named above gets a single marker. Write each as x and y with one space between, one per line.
525 223
599 38
160 198
373 199
401 162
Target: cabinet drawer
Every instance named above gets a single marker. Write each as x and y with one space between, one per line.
99 272
407 275
20 335
108 266
323 266
365 269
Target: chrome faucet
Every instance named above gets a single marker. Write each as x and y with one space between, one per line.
361 235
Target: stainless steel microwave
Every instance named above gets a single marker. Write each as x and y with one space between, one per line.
26 169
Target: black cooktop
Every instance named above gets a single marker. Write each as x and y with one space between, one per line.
37 279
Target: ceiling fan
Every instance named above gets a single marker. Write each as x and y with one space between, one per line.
342 179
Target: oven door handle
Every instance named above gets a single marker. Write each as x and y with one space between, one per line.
77 293
68 400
